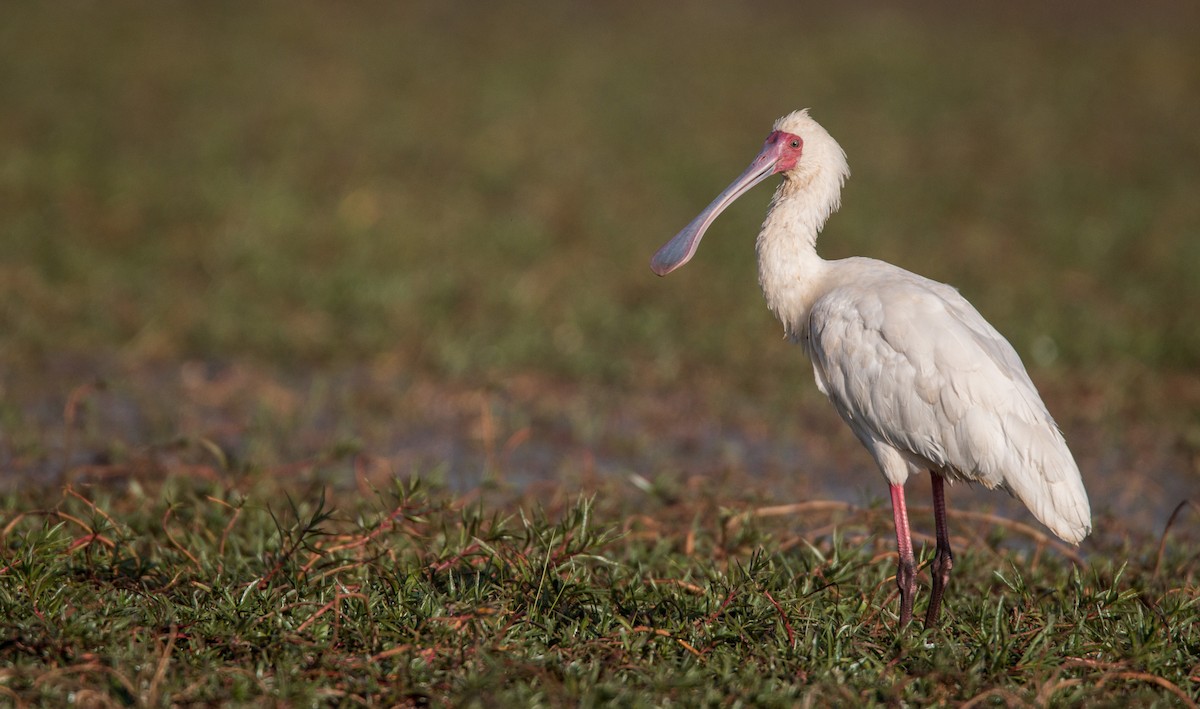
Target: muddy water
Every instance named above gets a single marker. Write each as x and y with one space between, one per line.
81 421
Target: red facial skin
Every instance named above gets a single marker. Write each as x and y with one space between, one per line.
790 146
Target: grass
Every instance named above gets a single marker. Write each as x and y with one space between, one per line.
202 593
259 264
307 190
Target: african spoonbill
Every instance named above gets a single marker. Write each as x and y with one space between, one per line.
922 379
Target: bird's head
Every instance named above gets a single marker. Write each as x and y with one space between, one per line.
798 147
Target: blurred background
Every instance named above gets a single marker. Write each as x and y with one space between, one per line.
360 240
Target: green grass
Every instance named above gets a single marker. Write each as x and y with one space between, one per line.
480 191
203 593
253 253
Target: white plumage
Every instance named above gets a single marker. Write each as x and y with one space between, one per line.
911 366
920 377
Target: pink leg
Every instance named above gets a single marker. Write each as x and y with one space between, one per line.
906 578
943 560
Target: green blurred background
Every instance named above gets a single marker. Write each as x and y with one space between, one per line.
446 198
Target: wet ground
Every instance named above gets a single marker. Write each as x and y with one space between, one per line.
98 422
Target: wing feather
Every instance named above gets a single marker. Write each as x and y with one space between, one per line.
910 364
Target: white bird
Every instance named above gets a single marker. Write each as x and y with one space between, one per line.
923 380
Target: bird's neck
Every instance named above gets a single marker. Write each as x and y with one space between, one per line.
789 269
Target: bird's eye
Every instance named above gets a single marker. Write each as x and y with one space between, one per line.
795 143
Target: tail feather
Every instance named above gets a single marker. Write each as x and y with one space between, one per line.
1046 478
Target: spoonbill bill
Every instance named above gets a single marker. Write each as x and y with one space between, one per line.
915 371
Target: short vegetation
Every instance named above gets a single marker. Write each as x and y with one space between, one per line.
332 371
201 594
